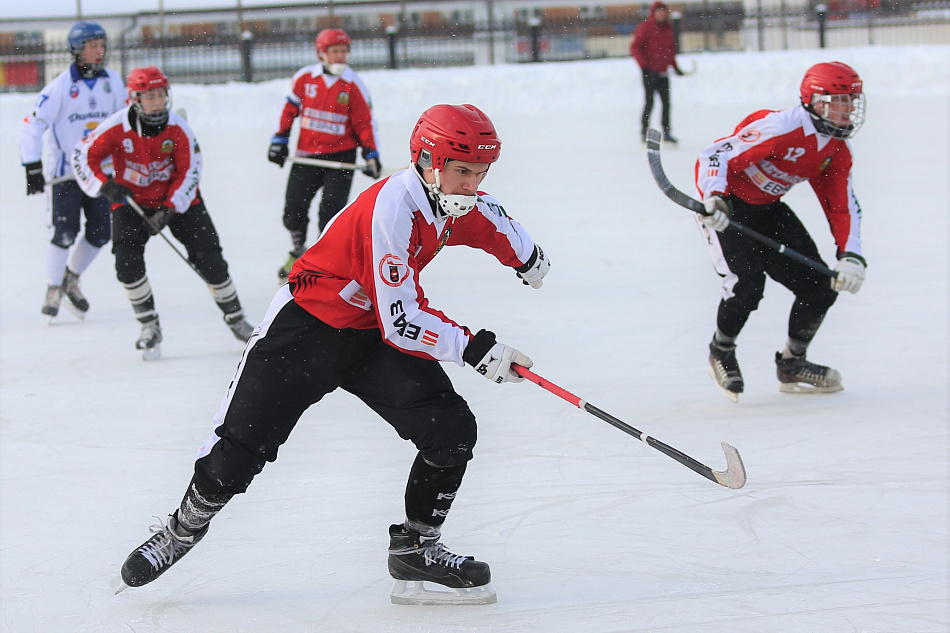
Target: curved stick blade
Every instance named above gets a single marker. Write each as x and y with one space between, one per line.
734 475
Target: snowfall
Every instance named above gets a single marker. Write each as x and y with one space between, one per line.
842 526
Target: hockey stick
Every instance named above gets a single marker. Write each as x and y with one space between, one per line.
733 477
135 207
332 164
680 198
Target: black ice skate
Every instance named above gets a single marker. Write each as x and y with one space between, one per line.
149 340
54 296
151 559
76 302
724 369
797 375
415 559
669 138
284 271
241 329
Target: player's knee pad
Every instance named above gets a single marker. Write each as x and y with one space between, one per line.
63 238
448 457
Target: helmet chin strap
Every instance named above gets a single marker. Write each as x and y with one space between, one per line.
452 204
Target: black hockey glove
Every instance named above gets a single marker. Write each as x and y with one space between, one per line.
115 192
35 182
373 167
277 153
159 220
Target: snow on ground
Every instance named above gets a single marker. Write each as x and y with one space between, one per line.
842 526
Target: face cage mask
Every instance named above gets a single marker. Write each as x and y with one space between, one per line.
452 204
335 69
838 116
88 70
158 118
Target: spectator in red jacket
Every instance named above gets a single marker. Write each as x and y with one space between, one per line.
654 48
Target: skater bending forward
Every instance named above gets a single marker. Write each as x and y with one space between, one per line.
354 316
158 166
745 175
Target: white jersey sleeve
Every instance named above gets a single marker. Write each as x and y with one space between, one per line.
69 107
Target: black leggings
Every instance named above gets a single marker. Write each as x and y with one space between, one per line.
750 261
293 360
193 228
655 83
302 187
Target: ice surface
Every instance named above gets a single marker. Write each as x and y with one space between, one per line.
842 526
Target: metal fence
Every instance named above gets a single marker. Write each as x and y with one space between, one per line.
210 58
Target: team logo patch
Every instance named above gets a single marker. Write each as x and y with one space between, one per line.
107 87
392 270
167 146
73 92
824 164
751 136
92 103
343 98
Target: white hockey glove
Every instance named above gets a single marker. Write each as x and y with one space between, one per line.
534 269
850 269
495 363
717 213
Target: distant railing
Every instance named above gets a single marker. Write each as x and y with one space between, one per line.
28 64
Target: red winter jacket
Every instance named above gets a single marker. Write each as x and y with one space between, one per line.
654 44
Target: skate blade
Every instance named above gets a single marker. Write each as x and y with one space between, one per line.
415 592
122 587
732 395
152 353
804 387
76 312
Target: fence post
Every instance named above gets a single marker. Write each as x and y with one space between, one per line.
675 19
822 19
392 32
535 24
247 42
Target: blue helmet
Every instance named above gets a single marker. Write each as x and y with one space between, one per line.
81 33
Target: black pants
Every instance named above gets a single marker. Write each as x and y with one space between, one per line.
303 184
194 229
655 83
69 203
293 360
749 262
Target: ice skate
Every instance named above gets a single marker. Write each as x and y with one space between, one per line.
54 296
284 270
669 138
151 559
149 340
724 370
798 375
75 301
415 560
239 326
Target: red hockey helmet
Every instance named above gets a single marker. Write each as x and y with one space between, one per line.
834 94
142 80
459 132
331 37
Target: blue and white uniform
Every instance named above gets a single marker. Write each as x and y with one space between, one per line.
68 108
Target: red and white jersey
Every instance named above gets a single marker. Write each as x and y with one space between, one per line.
335 112
769 152
363 272
162 169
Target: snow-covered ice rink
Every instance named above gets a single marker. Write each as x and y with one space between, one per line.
842 527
